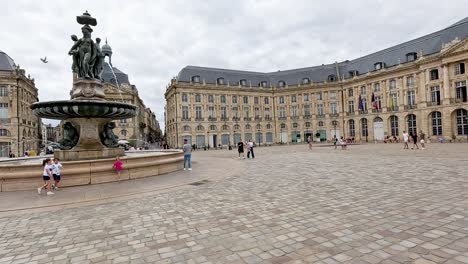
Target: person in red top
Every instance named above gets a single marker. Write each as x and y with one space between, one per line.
117 166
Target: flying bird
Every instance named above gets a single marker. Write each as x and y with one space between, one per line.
44 60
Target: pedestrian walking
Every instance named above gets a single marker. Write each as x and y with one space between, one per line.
56 171
405 140
117 166
423 139
46 175
309 141
415 140
250 145
187 148
334 140
240 149
343 143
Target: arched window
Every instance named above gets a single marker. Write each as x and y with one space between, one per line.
212 127
186 128
307 124
283 125
331 78
259 126
243 82
352 129
225 127
305 81
236 127
379 65
248 127
123 133
196 79
268 126
267 100
412 124
222 99
281 84
394 125
436 120
462 124
220 81
364 130
294 125
200 128
281 100
320 123
263 84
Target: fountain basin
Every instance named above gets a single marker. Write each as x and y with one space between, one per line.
139 164
83 109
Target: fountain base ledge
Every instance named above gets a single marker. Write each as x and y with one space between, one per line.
88 154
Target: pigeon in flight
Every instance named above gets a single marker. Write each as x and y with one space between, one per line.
44 60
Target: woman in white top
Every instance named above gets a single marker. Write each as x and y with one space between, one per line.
343 143
46 175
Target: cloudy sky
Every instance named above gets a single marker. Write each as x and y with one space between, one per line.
153 40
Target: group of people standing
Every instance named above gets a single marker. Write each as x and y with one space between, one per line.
413 137
52 169
250 149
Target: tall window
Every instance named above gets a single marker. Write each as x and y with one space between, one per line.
393 102
412 124
364 104
307 110
223 112
257 112
411 98
210 98
293 99
435 95
306 97
394 125
282 112
352 129
462 124
197 98
256 100
267 113
318 96
434 74
319 109
223 99
378 100
409 81
184 97
436 123
281 100
376 87
332 95
392 84
363 90
246 112
267 100
246 100
198 112
234 99
460 90
211 112
459 68
350 92
294 110
3 110
351 107
364 130
235 113
333 109
185 113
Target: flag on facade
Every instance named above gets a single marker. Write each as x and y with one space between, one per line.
360 104
391 103
374 103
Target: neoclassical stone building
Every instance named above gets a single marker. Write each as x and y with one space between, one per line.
19 128
417 86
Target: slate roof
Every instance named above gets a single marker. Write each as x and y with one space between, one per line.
6 63
108 76
425 45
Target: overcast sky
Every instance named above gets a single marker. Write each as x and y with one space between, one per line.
153 40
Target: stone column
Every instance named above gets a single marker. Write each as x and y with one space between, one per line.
445 92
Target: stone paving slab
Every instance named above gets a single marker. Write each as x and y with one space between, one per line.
369 204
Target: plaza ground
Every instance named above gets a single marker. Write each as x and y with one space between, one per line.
374 203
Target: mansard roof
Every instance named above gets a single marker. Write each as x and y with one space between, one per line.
6 62
398 54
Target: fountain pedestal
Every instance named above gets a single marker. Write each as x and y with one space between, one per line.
89 145
87 90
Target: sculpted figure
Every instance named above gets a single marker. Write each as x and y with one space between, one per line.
98 61
108 138
85 51
70 136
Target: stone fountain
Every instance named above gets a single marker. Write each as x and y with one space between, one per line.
87 115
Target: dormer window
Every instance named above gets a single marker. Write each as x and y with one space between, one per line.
353 73
411 56
196 79
331 78
243 82
378 65
263 84
220 81
281 84
305 81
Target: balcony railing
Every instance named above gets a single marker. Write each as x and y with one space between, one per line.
413 106
258 118
307 116
392 109
433 103
186 119
212 119
334 115
267 118
235 119
456 100
247 119
377 110
362 112
320 116
199 118
282 118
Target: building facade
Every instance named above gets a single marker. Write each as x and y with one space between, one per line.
19 127
417 86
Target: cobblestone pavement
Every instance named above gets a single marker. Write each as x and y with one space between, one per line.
369 204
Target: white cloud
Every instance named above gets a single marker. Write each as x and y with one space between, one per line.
153 40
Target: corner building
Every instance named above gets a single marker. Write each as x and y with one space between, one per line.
417 86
